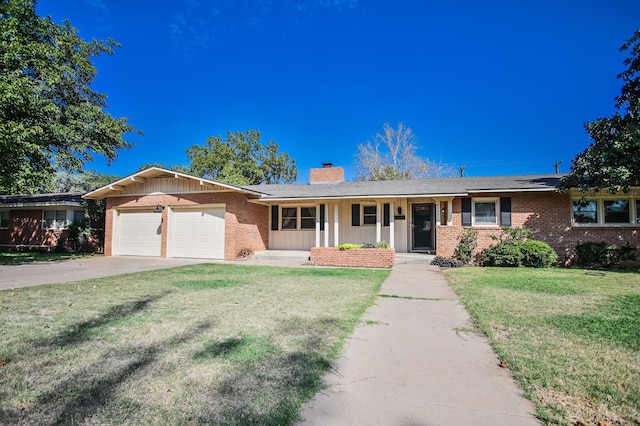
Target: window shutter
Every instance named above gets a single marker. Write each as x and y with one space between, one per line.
386 217
466 212
322 217
274 218
505 211
355 215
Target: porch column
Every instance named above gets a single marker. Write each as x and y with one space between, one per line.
392 227
336 224
438 215
378 224
317 225
450 212
326 224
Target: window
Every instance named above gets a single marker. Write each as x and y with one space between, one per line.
369 215
585 211
616 211
289 218
55 219
307 217
485 213
294 218
4 219
605 211
78 216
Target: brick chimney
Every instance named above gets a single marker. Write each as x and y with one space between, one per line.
327 174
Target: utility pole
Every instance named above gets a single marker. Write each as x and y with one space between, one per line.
461 169
556 164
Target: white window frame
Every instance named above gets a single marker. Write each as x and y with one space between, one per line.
298 209
363 215
634 214
57 223
485 200
8 218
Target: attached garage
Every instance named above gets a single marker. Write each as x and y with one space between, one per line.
197 233
139 233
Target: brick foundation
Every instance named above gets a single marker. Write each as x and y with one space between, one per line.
363 258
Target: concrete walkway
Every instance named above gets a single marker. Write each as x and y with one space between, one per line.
416 360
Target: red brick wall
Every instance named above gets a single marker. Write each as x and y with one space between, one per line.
327 174
364 258
26 228
246 224
547 213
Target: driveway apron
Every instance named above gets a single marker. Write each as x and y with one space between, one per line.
418 360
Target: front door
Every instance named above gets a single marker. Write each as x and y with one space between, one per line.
421 225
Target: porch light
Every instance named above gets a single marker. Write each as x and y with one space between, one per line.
158 209
399 210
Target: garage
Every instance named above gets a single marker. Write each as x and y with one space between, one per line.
139 233
197 233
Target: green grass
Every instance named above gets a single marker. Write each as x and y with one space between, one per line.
570 337
199 344
14 258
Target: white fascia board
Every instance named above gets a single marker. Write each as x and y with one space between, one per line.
356 197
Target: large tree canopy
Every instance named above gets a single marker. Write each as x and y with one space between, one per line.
50 117
392 156
240 159
612 161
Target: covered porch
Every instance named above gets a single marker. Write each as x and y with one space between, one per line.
407 225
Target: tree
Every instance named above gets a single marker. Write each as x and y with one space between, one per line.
612 161
50 117
392 155
240 159
83 181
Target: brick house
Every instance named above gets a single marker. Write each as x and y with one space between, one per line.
37 221
157 212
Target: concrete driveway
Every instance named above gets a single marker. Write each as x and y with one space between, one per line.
38 273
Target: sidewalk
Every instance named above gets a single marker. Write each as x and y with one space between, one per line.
417 361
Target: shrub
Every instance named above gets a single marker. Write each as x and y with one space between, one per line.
537 254
505 254
599 254
468 243
382 244
447 263
349 246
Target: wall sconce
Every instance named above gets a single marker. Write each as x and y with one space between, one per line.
399 210
158 209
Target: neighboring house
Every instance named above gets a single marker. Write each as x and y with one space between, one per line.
158 212
37 221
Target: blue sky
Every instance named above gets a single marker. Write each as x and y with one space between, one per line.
501 87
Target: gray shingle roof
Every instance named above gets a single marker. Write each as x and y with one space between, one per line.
62 198
418 187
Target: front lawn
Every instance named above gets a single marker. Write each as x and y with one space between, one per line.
18 257
199 344
570 337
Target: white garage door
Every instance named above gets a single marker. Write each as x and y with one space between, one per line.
198 233
139 233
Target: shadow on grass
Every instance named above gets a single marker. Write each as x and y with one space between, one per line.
81 396
83 331
271 390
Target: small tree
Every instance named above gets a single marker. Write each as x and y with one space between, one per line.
466 246
392 156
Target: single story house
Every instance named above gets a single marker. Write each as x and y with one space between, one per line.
37 221
159 212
